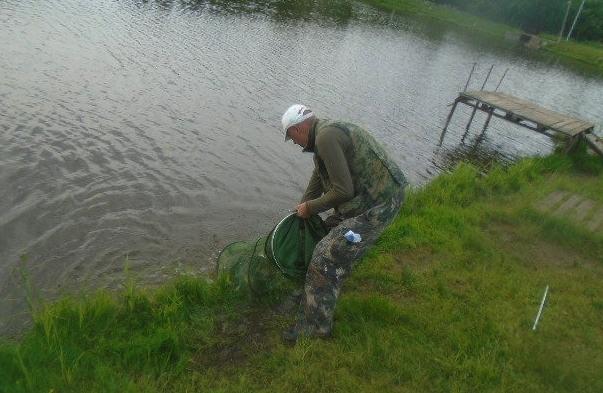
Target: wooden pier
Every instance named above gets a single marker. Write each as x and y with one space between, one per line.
526 114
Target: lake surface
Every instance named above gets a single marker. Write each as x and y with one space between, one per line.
144 136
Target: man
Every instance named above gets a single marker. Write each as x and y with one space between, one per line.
354 176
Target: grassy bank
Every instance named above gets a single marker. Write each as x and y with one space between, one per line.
444 302
587 56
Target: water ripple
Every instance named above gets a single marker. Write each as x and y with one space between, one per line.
146 133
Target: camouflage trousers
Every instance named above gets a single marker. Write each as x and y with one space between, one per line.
333 260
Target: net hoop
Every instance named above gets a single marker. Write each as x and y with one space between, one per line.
271 237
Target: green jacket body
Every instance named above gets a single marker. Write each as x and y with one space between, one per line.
352 172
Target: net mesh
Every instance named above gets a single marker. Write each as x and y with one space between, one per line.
271 262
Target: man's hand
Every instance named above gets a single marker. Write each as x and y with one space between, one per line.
302 210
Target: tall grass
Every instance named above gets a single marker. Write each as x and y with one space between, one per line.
444 302
104 341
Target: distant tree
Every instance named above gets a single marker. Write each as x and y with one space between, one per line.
535 16
590 24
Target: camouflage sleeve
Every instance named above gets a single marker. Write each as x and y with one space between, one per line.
332 144
314 189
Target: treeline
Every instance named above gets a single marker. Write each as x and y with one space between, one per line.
535 16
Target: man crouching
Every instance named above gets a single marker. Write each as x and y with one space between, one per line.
354 176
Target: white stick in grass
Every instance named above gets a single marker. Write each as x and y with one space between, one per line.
546 291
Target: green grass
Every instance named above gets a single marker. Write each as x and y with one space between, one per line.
443 13
583 55
590 54
443 303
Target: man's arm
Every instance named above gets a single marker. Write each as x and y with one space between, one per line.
314 189
331 144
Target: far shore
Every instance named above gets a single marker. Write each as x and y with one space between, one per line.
585 56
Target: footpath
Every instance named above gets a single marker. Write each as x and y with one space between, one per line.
575 207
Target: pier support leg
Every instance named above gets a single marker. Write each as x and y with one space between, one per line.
469 123
490 112
456 102
572 143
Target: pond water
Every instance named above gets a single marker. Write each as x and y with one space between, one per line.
143 136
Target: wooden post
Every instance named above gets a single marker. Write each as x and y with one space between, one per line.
470 75
448 121
569 4
469 123
572 143
575 20
594 142
501 79
490 111
487 77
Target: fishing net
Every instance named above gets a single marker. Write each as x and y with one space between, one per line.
272 261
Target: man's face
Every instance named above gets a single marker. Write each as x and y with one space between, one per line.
298 136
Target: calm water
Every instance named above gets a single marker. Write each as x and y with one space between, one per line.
145 134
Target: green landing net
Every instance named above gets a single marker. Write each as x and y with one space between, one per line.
267 263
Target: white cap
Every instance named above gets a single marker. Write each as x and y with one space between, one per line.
294 115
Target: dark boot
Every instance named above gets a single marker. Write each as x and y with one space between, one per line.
302 329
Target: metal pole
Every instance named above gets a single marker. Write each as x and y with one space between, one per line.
569 4
546 291
575 20
470 75
501 79
487 77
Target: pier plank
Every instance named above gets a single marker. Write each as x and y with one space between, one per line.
552 200
529 111
525 114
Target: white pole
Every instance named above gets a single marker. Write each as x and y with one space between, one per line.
575 20
546 291
569 4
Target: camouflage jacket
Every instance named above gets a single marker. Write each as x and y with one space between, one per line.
374 176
